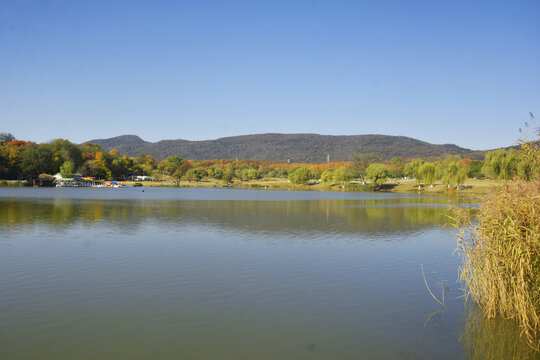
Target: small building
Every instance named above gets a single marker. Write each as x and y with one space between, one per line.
73 177
75 180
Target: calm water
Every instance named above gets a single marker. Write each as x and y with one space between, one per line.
234 274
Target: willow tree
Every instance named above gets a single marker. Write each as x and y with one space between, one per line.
500 164
427 172
412 169
377 174
455 173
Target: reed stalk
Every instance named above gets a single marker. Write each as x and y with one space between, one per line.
501 252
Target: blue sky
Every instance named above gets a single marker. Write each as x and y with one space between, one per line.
462 72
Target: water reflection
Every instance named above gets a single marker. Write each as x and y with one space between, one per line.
78 276
324 216
495 339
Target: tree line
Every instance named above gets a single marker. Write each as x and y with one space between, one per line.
27 160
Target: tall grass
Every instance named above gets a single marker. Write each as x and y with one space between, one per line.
501 252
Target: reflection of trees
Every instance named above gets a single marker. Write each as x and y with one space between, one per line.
372 216
494 339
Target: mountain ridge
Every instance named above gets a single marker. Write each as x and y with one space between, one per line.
299 147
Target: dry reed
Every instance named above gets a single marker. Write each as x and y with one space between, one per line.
501 256
501 251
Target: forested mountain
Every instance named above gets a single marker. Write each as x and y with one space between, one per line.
309 148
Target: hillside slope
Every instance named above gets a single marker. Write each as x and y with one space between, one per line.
310 148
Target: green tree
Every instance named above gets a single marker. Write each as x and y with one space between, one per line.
91 148
475 170
412 169
529 159
62 151
143 169
6 137
269 170
342 174
301 175
377 174
67 169
195 174
253 174
174 166
217 173
360 162
500 164
36 159
327 175
227 177
119 168
439 169
10 161
427 172
244 174
455 173
4 161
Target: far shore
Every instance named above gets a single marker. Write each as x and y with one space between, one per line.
471 187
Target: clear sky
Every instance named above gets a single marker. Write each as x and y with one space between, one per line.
462 72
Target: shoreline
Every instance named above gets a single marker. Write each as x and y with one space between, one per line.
472 187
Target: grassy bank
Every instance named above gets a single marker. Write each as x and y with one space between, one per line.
13 183
471 186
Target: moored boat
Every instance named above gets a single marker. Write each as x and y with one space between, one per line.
112 184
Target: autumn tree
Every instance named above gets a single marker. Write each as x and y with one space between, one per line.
114 153
4 162
396 167
10 161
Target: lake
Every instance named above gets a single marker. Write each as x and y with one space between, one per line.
174 273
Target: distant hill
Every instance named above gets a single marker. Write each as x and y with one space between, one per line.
309 148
